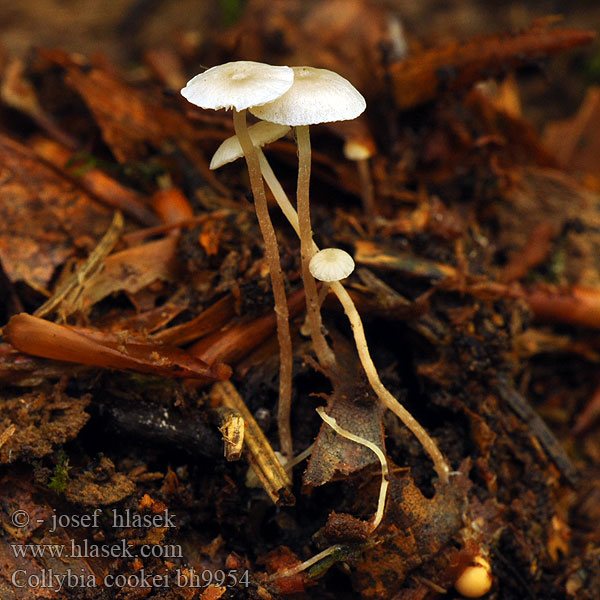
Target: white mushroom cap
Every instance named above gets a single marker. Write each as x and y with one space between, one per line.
317 96
238 85
476 580
331 264
260 133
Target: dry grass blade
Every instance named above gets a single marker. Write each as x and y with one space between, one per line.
65 299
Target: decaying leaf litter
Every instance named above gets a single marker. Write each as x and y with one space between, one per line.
477 282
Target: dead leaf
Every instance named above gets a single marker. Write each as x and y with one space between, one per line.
111 351
132 270
576 141
43 217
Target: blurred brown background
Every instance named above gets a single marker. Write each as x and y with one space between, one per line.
122 30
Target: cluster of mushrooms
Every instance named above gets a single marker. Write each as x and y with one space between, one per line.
284 97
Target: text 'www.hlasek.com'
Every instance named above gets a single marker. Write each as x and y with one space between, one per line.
69 560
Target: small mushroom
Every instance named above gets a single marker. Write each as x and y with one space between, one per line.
357 149
241 85
324 353
360 150
475 580
316 96
331 264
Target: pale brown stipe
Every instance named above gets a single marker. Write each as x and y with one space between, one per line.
317 96
385 397
360 151
323 266
240 85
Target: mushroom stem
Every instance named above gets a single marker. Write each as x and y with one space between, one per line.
385 477
385 397
273 260
324 353
277 190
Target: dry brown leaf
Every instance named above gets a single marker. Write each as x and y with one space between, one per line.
129 119
353 409
111 351
94 181
43 217
534 195
414 530
576 141
132 270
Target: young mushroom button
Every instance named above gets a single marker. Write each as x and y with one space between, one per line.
475 580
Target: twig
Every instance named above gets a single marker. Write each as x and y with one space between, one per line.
261 457
7 434
539 429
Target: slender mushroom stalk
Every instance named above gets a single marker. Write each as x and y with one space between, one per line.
240 85
324 268
385 478
279 194
322 349
262 133
277 281
332 265
316 96
360 150
386 398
